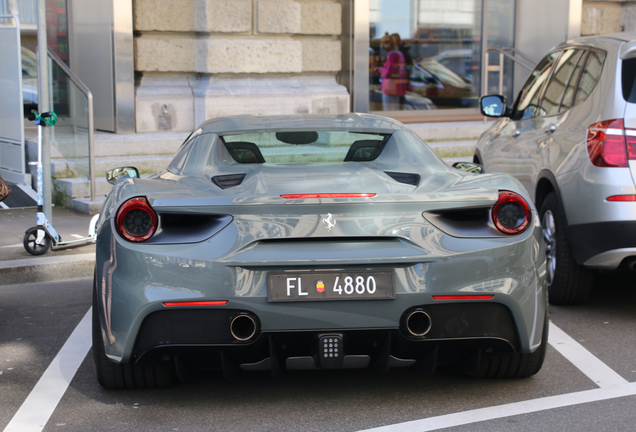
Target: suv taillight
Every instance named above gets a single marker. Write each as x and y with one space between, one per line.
610 144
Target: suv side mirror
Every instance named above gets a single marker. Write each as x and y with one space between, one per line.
470 167
116 174
492 106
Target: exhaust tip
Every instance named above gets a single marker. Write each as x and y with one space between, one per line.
417 323
243 327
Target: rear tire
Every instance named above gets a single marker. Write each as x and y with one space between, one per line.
517 365
568 283
113 375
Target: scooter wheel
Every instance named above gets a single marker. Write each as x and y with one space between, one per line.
30 242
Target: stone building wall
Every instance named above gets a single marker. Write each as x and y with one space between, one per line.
199 59
608 16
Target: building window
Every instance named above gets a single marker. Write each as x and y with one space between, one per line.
425 54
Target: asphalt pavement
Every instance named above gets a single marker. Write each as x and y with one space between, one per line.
18 266
48 382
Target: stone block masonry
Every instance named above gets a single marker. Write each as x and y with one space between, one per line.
197 59
601 17
259 56
274 16
161 15
223 16
608 16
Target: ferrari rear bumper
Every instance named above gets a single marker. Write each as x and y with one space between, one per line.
208 339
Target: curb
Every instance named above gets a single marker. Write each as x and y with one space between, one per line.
47 269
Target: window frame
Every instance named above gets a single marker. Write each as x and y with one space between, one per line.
589 55
514 115
584 57
583 60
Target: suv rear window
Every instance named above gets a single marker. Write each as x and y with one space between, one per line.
629 80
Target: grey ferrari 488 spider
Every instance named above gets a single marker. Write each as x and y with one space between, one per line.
315 242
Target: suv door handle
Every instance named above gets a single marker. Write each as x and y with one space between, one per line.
551 129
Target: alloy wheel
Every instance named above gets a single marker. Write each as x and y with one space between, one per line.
549 234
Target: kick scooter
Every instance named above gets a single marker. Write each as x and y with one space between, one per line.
39 239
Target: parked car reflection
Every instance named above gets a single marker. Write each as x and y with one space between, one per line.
444 87
459 61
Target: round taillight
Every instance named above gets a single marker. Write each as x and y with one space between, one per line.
136 221
511 213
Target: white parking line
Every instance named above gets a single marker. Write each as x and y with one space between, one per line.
612 386
602 375
509 410
47 393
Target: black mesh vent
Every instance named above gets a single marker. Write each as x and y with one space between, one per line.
406 178
228 181
185 327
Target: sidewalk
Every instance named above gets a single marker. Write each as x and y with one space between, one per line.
17 266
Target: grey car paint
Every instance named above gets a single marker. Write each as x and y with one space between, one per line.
388 231
553 148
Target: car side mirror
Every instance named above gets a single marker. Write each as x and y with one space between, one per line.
116 174
492 106
470 167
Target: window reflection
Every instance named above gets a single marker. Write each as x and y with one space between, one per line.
591 75
560 81
425 54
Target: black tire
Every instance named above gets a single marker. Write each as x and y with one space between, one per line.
568 283
113 375
30 236
517 365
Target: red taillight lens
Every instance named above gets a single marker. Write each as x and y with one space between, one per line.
630 137
622 198
136 221
196 303
609 144
328 195
511 213
464 297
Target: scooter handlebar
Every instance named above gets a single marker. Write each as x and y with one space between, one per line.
39 118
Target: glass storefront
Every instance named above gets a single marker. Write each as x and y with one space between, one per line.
426 54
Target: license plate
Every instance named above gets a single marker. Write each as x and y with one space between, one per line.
327 286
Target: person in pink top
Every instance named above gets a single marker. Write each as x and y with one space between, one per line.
394 74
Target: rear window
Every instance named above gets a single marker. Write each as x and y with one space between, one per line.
629 78
304 146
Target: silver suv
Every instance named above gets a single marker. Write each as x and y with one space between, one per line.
570 138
